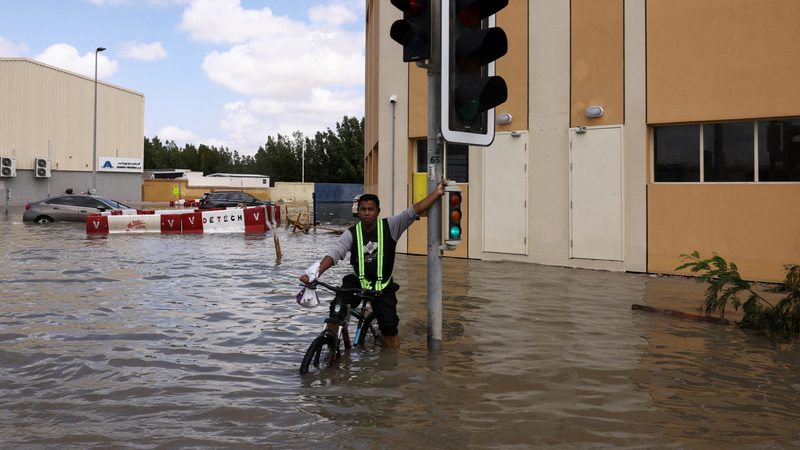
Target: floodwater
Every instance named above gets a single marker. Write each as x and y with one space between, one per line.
151 341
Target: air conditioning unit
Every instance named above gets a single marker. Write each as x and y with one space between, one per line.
42 168
8 166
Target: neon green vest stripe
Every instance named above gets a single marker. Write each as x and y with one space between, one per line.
379 284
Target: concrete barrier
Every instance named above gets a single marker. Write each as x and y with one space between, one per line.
231 220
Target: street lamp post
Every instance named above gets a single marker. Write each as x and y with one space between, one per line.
94 128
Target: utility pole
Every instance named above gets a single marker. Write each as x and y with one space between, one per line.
419 32
435 173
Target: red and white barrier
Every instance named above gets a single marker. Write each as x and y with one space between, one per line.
232 220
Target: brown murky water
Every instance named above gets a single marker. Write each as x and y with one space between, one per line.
154 341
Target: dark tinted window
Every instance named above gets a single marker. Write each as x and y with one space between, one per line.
89 202
728 152
422 155
66 201
677 153
456 160
779 150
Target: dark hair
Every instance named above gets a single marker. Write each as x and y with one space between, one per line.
369 197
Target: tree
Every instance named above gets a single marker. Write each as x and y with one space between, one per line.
331 156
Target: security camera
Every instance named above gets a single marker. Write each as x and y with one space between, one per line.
392 99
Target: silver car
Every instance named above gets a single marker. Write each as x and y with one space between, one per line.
73 208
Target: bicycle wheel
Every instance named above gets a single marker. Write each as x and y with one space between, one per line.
323 348
370 335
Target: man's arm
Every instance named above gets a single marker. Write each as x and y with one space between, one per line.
336 252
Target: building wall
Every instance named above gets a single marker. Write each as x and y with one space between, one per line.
597 63
647 63
46 112
714 61
25 188
721 59
755 226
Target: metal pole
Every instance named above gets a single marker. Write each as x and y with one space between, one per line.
434 175
393 102
94 128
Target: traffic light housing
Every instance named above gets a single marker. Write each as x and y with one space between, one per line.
453 215
470 89
413 31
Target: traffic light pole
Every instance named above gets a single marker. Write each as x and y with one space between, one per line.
435 172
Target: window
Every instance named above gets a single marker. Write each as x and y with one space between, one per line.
422 155
456 160
676 150
764 151
779 150
67 201
728 151
89 202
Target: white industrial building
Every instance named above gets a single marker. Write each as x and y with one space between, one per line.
47 134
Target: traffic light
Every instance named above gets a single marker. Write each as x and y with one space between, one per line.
413 31
470 89
453 215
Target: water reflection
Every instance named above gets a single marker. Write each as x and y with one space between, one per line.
194 341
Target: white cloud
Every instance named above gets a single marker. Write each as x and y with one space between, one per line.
332 14
249 123
8 48
293 75
67 57
141 51
226 22
150 2
181 136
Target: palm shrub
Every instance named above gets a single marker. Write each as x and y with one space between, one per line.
726 286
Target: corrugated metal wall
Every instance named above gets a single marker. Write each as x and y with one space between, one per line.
47 113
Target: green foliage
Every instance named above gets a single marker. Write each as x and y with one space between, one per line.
330 157
725 286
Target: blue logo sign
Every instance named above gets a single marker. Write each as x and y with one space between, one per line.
107 165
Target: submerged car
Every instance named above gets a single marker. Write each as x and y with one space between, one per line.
71 208
225 199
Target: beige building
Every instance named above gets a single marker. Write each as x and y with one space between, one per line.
47 117
698 146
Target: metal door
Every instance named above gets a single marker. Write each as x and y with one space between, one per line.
596 202
505 194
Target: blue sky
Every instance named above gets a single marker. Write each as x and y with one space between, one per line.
218 72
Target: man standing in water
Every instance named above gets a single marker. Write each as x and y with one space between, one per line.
371 243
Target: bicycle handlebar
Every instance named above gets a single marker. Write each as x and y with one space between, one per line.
342 290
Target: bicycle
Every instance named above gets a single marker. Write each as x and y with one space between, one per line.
327 347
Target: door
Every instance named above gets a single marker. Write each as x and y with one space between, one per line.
505 194
596 203
62 208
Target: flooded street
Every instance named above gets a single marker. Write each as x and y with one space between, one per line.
168 341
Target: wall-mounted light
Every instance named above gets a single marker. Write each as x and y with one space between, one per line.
503 119
594 112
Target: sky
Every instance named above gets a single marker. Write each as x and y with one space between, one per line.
216 72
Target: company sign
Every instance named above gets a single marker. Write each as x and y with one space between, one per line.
109 164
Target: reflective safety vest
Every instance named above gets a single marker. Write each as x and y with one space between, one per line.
379 283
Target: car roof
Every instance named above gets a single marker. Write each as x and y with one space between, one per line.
98 197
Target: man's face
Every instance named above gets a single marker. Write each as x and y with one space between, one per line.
368 212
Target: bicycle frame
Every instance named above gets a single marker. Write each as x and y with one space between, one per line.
336 330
